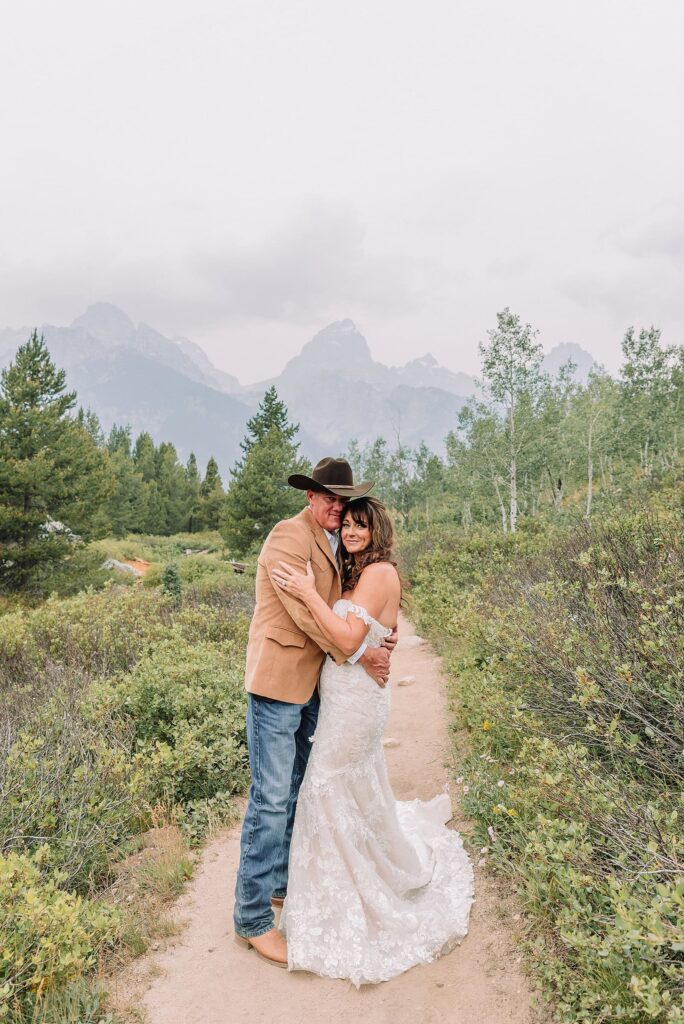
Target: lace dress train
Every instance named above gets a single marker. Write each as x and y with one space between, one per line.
375 885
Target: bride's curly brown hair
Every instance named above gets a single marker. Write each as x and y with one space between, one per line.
372 513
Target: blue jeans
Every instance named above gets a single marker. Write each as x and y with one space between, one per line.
279 739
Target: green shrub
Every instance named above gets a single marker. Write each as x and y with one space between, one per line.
110 702
187 707
48 937
71 782
567 669
95 633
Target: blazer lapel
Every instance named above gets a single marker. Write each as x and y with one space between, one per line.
322 541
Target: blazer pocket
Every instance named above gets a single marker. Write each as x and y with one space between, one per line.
285 637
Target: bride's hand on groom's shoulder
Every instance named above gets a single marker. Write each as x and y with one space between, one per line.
296 584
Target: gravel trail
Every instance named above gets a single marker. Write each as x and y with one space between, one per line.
203 977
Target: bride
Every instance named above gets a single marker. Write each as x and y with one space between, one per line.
375 885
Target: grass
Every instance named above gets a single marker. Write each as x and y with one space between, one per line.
147 884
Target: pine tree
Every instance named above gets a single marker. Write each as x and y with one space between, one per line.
171 582
126 507
173 491
119 439
259 495
54 479
212 497
192 485
211 477
271 414
155 511
87 419
144 456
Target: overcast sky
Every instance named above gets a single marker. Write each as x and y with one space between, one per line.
243 172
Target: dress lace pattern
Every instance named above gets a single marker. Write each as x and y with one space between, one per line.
375 885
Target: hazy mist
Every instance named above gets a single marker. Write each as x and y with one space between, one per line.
242 173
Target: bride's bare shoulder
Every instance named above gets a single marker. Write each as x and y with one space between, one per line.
380 574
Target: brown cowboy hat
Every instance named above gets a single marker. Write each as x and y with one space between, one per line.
334 475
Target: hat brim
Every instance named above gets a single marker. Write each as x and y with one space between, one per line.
307 483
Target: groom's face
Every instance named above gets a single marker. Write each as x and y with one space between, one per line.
328 509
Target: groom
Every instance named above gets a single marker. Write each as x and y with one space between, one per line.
285 654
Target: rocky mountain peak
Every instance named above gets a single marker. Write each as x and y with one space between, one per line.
339 349
427 360
426 372
338 340
107 323
569 351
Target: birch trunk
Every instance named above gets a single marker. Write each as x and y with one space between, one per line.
502 507
513 470
513 473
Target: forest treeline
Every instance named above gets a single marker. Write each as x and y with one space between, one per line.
528 445
531 445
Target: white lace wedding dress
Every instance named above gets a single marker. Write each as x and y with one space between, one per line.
375 885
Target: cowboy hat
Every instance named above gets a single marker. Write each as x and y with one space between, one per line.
334 475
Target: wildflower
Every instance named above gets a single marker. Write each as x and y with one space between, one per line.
486 725
485 849
466 789
481 862
511 812
501 783
459 780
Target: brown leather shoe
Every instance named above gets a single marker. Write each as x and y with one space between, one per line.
277 901
271 947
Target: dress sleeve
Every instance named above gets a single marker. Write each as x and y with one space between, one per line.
361 613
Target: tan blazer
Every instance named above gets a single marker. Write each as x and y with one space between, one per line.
286 648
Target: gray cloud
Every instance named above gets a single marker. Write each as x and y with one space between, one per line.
465 156
658 234
311 268
316 263
629 296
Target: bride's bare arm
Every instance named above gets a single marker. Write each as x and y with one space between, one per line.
347 634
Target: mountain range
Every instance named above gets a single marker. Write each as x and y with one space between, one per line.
334 389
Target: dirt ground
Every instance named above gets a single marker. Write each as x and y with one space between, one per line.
205 978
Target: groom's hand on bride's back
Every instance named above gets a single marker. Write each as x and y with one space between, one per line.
375 661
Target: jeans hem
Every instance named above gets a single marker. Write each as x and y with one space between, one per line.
255 935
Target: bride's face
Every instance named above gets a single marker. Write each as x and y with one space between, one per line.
356 537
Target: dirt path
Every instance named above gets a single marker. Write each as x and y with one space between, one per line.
204 978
